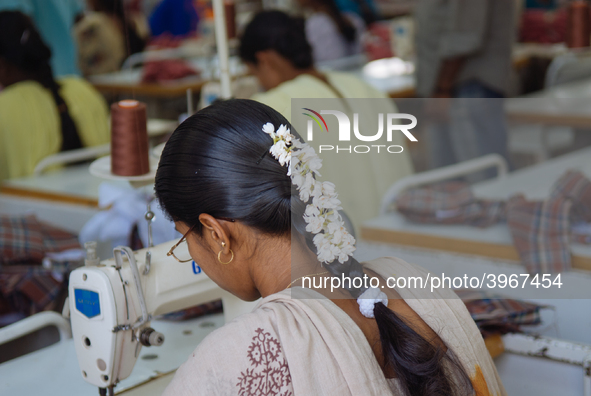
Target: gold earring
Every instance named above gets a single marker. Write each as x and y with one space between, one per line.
220 255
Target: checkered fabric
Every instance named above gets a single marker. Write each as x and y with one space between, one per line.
21 240
541 230
57 240
28 289
26 240
494 314
448 203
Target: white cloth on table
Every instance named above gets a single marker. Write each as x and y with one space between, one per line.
123 208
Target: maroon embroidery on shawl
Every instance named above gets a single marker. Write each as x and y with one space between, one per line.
268 374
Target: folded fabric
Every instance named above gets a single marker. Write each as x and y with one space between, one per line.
540 233
494 314
24 239
28 289
541 230
20 239
57 240
448 203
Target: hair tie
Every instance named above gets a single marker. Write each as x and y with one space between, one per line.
368 300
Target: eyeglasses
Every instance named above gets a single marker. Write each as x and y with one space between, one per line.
184 238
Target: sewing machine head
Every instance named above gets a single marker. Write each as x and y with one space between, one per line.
112 304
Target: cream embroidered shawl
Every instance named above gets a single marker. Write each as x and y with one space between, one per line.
311 347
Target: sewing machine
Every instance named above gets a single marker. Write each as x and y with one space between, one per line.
112 303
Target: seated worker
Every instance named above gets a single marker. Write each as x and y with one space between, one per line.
252 229
275 48
107 36
40 116
54 20
331 33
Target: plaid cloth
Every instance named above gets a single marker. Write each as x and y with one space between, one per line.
541 231
29 289
448 203
497 315
57 240
21 240
27 240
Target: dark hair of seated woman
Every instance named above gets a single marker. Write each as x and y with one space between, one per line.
215 163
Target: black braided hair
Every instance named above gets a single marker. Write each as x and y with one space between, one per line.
116 8
22 46
418 363
213 164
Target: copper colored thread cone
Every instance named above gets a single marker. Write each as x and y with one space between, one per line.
129 139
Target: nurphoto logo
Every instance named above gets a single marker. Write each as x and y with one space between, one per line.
392 121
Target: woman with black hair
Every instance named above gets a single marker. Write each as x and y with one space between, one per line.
243 189
133 40
40 116
332 34
107 36
275 48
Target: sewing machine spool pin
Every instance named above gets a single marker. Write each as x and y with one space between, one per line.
92 258
149 216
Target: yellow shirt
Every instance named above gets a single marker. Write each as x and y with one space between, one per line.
309 87
361 180
30 127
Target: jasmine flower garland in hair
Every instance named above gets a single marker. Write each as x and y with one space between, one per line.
321 215
281 148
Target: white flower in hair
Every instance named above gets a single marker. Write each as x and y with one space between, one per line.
315 224
281 148
326 201
331 238
269 129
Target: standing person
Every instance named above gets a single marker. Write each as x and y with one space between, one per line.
275 48
464 51
39 115
54 19
331 33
